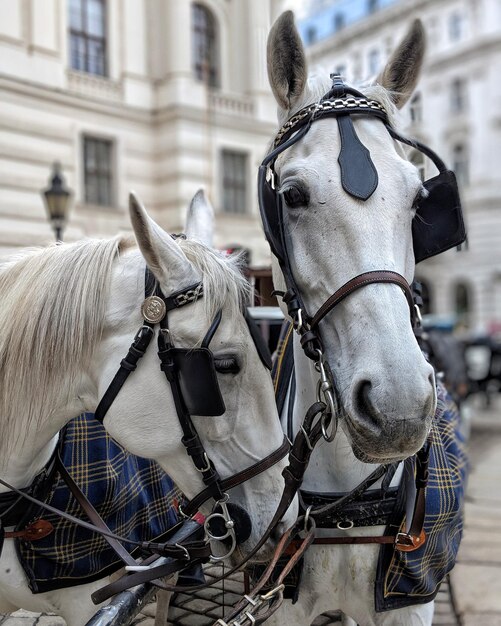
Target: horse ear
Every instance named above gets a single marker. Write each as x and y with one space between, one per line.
200 219
162 254
287 70
401 73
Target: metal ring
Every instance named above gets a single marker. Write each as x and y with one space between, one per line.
230 551
186 554
229 529
325 434
307 518
346 525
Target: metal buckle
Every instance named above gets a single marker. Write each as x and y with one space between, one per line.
207 464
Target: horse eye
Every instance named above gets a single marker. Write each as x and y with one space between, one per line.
226 365
296 197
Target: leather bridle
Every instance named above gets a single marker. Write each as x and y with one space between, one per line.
155 311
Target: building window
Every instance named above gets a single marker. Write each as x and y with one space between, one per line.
416 109
98 171
311 35
372 6
374 61
234 181
462 302
417 159
339 21
88 36
205 50
458 95
460 164
456 24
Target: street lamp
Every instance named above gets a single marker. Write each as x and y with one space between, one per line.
57 201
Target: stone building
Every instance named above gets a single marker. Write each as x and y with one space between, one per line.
456 110
160 97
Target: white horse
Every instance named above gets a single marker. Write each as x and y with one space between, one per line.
386 388
68 316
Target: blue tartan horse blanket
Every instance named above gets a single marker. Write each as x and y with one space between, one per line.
408 578
133 495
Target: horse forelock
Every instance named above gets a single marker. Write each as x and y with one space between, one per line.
51 318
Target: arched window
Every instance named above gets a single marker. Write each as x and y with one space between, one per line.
417 159
205 50
462 302
460 164
416 109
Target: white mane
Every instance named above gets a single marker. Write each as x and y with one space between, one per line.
52 316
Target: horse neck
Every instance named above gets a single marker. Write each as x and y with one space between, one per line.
32 451
333 466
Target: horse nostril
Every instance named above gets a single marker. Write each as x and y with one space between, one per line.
363 403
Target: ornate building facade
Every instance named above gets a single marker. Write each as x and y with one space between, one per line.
159 97
456 110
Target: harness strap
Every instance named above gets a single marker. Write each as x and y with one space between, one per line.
252 604
293 475
228 483
378 276
127 365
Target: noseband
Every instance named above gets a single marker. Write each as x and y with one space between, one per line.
193 381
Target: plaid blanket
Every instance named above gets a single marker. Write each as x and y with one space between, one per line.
133 495
408 578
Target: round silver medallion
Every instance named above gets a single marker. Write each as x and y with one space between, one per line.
153 309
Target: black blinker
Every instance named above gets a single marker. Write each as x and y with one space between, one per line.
197 380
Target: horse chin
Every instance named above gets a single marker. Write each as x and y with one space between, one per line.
370 457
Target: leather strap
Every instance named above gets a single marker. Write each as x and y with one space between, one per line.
367 278
303 445
228 483
37 530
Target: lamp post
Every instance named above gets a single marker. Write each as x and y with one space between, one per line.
57 201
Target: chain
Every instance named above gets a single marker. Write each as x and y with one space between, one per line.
189 296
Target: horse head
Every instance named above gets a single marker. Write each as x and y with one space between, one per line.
347 214
144 415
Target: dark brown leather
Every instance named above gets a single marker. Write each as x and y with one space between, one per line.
367 278
241 477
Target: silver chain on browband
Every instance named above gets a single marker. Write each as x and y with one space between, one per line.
189 296
327 105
